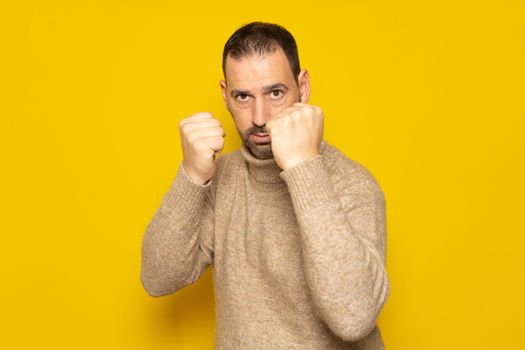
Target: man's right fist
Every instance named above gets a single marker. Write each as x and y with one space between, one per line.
202 138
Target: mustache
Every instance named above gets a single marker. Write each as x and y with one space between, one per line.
256 129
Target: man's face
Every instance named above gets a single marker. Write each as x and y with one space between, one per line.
258 88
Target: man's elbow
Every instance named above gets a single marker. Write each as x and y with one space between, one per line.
154 293
149 287
352 326
352 330
153 287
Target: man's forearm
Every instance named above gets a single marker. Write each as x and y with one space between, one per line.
343 247
171 258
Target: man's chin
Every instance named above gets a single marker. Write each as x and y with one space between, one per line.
260 150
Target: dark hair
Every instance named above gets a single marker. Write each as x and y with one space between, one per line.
261 38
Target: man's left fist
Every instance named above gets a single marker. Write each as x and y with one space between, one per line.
296 133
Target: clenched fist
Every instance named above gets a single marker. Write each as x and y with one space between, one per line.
296 133
202 138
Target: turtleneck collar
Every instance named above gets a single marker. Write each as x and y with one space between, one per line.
266 170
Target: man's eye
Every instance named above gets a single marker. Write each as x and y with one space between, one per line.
241 97
277 93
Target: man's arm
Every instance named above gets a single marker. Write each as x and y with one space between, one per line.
178 242
342 226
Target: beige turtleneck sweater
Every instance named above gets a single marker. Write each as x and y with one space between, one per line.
298 255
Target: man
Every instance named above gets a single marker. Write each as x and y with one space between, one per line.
294 229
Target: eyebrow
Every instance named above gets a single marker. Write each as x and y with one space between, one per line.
265 89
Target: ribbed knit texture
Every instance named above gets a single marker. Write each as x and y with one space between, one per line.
298 255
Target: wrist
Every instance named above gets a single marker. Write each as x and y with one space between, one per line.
298 160
195 179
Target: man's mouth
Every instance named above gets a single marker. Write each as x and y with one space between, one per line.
261 137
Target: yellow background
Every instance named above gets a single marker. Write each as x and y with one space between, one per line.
428 95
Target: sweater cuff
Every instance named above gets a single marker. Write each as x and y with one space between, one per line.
309 184
185 197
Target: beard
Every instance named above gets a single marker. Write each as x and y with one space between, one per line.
258 150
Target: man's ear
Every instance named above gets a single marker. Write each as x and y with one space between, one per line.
304 85
224 90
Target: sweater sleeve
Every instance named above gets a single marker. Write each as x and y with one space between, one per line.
178 243
343 231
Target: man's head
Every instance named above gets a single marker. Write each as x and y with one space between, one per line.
262 76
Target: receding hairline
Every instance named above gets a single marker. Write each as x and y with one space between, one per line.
260 55
253 49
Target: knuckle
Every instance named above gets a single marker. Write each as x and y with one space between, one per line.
183 128
182 123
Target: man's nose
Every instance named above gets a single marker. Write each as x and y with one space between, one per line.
260 112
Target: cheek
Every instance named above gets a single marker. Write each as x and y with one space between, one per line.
278 107
242 120
284 102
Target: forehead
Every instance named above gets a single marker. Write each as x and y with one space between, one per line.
256 70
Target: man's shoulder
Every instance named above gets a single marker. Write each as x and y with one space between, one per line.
344 168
